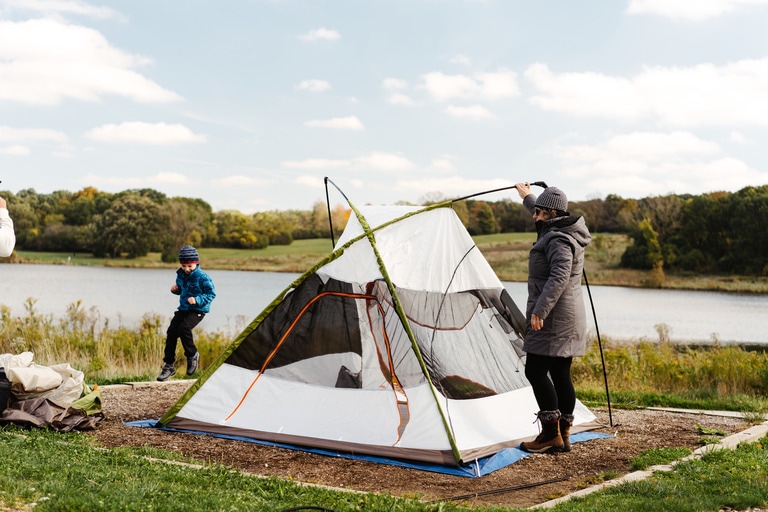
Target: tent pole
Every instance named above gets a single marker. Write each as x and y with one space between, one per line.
328 204
537 183
599 344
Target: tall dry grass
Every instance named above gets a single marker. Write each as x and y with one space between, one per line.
706 373
103 352
113 354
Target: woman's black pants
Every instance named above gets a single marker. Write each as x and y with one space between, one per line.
550 378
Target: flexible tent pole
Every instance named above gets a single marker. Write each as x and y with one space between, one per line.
584 273
599 344
328 204
589 292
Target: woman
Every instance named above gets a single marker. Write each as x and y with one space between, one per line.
555 315
7 237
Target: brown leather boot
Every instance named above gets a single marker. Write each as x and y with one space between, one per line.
566 420
549 438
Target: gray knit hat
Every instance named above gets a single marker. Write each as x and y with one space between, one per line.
188 254
552 199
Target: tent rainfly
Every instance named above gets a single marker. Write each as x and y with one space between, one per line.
402 344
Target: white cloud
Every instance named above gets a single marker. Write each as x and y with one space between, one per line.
394 84
44 61
22 138
702 95
460 59
239 181
443 164
53 7
315 163
112 182
740 138
314 85
374 161
156 134
320 34
449 187
9 134
645 146
482 86
689 10
725 174
401 99
644 163
342 123
470 112
584 94
15 150
388 162
309 181
64 151
169 178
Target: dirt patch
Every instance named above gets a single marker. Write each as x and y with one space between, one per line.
633 433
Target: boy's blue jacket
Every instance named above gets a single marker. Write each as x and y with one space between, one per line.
196 284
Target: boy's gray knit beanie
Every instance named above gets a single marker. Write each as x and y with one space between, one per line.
552 199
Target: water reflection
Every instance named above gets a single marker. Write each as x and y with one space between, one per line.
123 296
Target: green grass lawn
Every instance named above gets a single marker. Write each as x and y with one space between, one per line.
49 471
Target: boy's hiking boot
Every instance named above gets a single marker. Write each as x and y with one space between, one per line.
549 439
168 372
192 363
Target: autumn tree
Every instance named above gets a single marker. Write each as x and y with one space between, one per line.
237 230
187 220
132 225
481 218
274 226
645 251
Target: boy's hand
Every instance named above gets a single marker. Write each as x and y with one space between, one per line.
174 288
192 300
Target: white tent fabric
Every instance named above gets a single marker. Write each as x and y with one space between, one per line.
28 379
402 343
420 252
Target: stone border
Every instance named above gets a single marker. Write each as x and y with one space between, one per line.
749 435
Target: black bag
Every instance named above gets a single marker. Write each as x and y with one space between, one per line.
5 390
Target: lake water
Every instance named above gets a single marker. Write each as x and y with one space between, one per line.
124 295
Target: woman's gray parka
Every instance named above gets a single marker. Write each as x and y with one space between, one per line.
555 266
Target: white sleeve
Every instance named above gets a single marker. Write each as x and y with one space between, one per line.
7 237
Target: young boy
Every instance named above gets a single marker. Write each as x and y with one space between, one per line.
196 292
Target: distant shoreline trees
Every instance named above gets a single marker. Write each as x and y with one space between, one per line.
720 232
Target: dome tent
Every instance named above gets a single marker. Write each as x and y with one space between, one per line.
401 344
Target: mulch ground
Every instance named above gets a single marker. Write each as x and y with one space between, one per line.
518 485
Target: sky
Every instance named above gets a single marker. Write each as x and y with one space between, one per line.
250 104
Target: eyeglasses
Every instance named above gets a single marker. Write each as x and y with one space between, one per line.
538 211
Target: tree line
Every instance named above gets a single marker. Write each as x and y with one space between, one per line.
718 232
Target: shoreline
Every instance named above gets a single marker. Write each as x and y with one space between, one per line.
509 262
